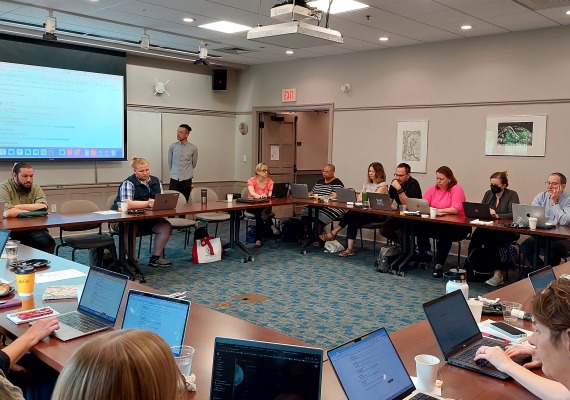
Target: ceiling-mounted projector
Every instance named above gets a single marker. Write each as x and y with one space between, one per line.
294 35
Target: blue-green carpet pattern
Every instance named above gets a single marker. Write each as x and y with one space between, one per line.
319 298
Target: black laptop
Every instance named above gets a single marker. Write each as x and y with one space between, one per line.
477 210
458 334
280 190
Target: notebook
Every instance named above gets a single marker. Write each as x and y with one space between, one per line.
369 367
541 278
345 195
418 205
165 316
98 308
164 201
477 210
4 235
458 334
60 292
299 191
247 369
280 190
522 212
380 201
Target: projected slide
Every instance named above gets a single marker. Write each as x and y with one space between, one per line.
60 114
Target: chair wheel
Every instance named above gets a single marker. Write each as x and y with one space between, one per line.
251 258
243 260
303 252
401 273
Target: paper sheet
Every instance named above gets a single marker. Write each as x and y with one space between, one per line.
107 212
53 276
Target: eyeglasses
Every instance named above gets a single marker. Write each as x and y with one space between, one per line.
553 184
326 172
265 170
400 175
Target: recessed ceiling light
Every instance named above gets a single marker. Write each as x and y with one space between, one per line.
383 39
225 27
188 19
289 52
338 7
466 27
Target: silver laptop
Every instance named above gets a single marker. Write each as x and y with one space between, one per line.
522 212
380 201
344 195
247 369
541 278
369 367
165 316
98 307
164 201
299 191
420 205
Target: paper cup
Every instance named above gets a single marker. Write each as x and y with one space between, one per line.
476 308
124 206
426 371
432 212
230 197
532 221
25 279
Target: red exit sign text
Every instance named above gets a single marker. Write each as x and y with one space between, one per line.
288 95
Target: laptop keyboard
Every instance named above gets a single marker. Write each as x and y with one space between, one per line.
422 396
80 322
468 355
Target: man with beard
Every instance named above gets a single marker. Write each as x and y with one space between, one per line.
21 194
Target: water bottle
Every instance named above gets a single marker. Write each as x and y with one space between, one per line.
457 281
203 196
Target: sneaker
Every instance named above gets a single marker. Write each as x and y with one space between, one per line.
495 281
438 271
159 262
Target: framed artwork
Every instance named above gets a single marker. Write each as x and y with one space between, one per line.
412 144
521 135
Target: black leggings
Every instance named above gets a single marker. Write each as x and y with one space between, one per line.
446 235
260 222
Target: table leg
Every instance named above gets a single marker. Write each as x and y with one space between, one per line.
129 263
235 243
315 231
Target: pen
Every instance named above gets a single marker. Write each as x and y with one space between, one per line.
496 338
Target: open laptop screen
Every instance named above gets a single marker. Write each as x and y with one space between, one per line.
245 370
541 278
165 316
102 294
369 368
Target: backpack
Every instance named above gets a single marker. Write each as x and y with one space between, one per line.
387 256
477 266
292 230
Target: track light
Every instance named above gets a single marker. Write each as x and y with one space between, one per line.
50 26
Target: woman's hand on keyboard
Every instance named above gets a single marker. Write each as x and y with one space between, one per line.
513 351
496 356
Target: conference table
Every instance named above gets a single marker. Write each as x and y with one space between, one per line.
205 324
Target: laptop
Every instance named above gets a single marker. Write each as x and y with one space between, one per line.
369 367
98 307
247 369
164 201
541 278
163 315
280 190
522 212
345 195
418 205
251 200
380 201
458 334
477 210
299 191
4 236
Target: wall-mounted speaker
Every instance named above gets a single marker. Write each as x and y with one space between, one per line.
219 79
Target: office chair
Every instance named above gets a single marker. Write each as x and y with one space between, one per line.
208 217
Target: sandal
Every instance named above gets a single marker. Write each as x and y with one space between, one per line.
347 253
326 237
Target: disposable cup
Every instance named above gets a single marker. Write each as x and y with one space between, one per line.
402 207
230 197
183 357
432 212
25 279
476 308
508 308
11 249
532 221
426 371
124 206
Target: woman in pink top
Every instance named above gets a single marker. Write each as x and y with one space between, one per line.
261 186
448 197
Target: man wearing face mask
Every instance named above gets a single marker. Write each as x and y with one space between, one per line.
556 203
21 194
500 200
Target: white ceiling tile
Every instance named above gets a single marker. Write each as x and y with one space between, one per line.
503 7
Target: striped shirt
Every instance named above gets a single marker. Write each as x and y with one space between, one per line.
326 214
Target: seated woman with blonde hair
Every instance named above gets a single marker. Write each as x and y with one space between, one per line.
260 186
125 364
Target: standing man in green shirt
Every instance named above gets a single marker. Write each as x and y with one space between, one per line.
182 159
21 194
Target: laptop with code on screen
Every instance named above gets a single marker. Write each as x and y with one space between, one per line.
247 370
165 316
370 368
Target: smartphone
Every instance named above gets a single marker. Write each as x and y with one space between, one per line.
508 330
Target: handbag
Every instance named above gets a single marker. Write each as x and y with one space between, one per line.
207 250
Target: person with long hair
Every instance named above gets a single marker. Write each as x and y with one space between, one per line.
260 186
551 338
375 183
123 364
448 197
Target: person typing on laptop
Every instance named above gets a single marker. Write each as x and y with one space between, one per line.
139 190
376 183
260 186
551 337
556 203
500 200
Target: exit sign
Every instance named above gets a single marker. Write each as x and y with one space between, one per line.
288 95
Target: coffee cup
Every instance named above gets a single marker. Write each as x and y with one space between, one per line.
532 221
426 371
230 197
124 206
476 308
432 212
25 279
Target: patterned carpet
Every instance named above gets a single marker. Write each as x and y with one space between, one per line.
319 297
